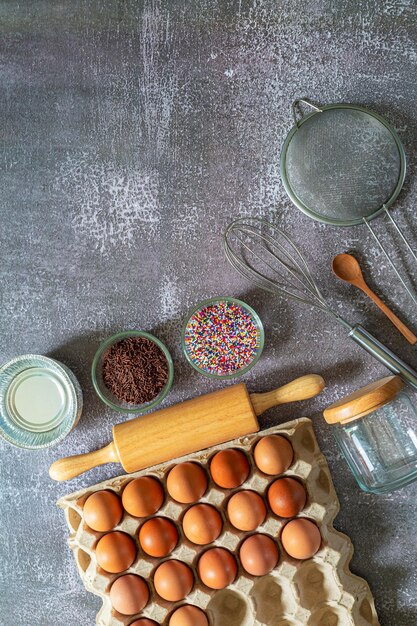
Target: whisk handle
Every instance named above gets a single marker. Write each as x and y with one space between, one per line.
383 354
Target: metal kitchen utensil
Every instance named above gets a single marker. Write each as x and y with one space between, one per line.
344 165
265 255
347 268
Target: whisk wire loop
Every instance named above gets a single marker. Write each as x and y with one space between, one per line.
268 254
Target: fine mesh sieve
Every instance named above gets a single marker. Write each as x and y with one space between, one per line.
343 165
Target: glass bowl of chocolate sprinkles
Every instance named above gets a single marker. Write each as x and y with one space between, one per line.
132 371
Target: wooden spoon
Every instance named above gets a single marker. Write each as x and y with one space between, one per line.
346 267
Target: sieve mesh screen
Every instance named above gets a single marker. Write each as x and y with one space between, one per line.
343 164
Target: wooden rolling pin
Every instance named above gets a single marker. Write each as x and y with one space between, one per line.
187 427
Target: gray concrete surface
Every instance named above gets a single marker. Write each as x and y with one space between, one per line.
132 133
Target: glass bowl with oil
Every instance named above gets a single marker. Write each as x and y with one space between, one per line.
40 401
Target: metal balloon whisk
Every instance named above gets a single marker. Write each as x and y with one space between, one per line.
265 255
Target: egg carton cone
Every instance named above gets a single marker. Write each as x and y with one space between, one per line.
320 591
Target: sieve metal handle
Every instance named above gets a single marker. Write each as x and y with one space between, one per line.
295 109
400 232
383 354
388 256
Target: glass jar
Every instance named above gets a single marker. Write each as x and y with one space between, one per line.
376 430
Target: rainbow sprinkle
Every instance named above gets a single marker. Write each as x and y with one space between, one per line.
222 338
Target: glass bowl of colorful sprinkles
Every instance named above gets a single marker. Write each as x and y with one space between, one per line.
222 337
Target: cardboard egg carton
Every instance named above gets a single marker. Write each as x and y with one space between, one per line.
317 592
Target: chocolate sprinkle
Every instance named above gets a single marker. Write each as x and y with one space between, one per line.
135 370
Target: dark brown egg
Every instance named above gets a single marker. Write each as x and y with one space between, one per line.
187 482
273 454
103 510
301 538
202 524
158 536
229 468
286 497
115 552
258 555
144 621
173 580
217 568
246 510
143 496
188 615
129 594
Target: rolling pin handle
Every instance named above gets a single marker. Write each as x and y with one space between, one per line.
72 466
299 389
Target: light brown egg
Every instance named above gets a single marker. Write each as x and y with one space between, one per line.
129 594
143 496
115 552
301 538
103 510
246 510
173 580
202 524
144 621
217 568
273 454
158 536
229 468
188 615
187 482
258 555
286 497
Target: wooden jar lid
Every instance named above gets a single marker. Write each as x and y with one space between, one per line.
363 400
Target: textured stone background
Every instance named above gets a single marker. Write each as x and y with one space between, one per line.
132 133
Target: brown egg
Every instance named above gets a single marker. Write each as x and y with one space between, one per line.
144 621
188 615
217 568
229 468
301 538
173 580
202 524
286 497
103 510
258 555
115 552
246 510
129 594
187 482
143 496
273 454
158 536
